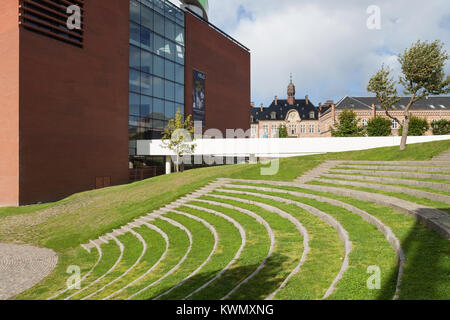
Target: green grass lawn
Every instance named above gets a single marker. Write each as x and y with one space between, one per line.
64 225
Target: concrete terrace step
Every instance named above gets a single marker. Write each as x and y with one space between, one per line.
412 192
397 168
416 175
418 183
435 219
317 171
445 156
445 163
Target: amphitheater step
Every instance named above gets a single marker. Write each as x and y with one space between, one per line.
417 183
445 156
395 174
397 168
411 192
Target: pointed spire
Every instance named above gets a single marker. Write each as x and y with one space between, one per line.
291 77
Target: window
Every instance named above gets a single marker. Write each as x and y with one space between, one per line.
273 115
254 130
292 130
311 115
146 84
135 57
265 129
274 130
364 122
146 61
311 128
302 128
394 124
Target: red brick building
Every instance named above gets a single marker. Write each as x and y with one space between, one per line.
65 95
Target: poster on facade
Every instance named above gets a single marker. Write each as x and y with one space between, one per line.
199 96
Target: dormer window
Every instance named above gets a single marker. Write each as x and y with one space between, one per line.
273 115
311 115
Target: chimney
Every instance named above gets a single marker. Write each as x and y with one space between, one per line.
276 100
262 107
374 111
307 99
252 104
333 112
320 107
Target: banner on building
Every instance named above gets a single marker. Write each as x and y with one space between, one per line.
199 96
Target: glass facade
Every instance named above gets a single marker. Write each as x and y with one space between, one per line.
156 77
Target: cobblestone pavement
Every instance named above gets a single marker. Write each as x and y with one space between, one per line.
23 266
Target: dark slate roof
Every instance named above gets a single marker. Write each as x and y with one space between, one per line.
365 103
282 108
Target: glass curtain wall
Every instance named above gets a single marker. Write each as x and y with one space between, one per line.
156 78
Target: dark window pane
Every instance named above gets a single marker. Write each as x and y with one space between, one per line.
179 93
179 73
170 70
146 41
159 45
135 34
146 106
159 24
180 54
179 35
170 50
170 30
135 81
146 61
158 65
135 57
169 90
135 11
158 109
159 6
158 87
146 84
147 17
169 110
134 104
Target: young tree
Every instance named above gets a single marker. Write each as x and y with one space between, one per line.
417 127
441 127
379 127
423 75
178 137
282 132
384 87
348 125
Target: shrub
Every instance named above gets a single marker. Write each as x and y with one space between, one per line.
347 126
441 127
417 127
379 127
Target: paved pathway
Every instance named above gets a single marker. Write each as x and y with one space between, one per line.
444 156
22 267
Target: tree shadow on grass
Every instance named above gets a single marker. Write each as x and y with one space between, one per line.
426 272
266 281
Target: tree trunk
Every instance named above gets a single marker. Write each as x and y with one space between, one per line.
405 130
177 164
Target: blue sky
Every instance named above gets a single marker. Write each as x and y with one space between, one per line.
326 43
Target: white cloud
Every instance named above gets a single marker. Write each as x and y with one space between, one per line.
326 44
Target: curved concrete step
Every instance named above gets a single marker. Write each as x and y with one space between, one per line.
121 247
100 255
144 249
343 234
177 266
384 229
416 175
417 183
166 240
434 219
397 168
383 187
261 221
214 249
236 256
402 163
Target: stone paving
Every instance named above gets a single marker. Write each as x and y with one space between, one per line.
22 267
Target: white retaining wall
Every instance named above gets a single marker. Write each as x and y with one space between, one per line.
281 147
